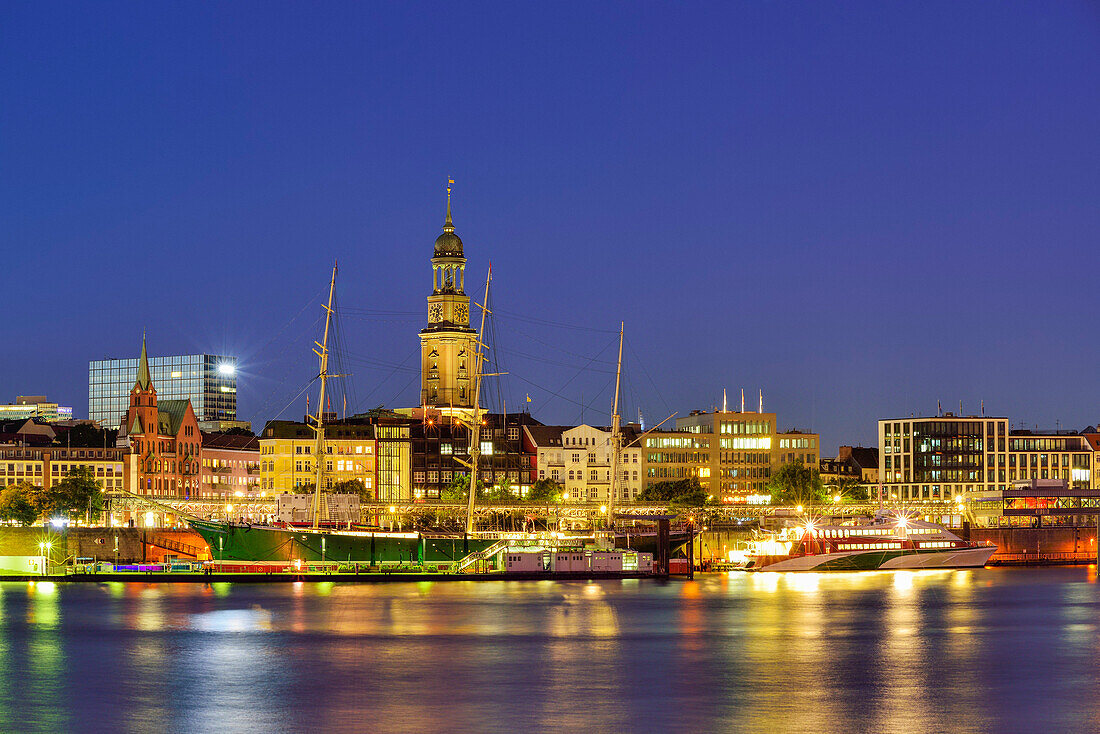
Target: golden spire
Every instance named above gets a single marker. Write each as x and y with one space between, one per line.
448 223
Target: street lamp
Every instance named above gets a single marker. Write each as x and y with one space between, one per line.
44 549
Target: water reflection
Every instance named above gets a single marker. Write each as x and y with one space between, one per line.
909 650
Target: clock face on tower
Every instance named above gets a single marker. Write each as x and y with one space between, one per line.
435 312
462 313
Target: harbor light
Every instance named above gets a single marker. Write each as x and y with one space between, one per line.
565 496
603 509
229 508
392 509
798 509
226 369
836 498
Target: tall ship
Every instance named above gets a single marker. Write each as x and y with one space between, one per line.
888 540
453 359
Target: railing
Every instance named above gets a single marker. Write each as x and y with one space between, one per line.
1037 558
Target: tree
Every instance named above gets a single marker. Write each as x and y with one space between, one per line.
796 484
457 492
86 435
16 504
236 431
77 494
499 492
545 491
354 486
849 488
680 493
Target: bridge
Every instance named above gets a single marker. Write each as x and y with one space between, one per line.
576 512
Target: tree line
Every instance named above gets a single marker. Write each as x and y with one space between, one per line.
77 495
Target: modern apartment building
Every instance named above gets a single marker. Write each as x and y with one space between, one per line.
209 381
942 457
948 456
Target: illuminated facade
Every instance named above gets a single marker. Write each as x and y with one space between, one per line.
937 459
448 344
230 466
733 453
941 458
440 445
44 466
35 406
208 381
287 462
579 459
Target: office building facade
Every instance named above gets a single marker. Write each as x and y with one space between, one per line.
209 381
732 453
35 406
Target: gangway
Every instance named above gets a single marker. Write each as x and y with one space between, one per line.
481 555
172 545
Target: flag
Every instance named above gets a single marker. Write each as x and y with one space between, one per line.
528 397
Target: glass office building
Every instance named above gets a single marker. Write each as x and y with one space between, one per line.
209 380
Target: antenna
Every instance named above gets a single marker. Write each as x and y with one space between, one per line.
761 401
725 408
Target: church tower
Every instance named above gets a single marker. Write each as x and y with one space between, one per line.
448 344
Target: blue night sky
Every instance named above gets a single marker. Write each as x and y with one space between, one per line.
858 208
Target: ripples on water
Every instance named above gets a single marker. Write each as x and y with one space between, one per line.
987 650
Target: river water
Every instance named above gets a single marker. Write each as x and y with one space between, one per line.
999 650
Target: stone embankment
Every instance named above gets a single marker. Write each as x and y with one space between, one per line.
134 545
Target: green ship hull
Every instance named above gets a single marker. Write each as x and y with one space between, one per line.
260 543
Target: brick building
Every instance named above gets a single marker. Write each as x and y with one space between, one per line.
164 440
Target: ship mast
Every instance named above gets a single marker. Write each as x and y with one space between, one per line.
616 436
475 426
319 419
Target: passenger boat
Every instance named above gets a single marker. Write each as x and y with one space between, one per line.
886 541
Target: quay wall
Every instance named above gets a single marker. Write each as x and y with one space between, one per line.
714 544
1038 540
134 544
